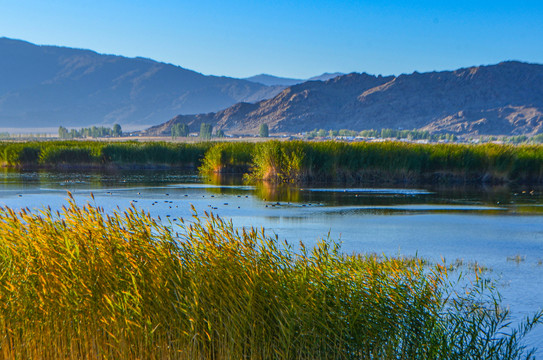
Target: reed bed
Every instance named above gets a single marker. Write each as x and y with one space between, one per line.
98 153
82 284
231 157
301 161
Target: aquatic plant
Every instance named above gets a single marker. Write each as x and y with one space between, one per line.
158 153
227 157
296 161
301 161
20 153
79 283
54 153
69 155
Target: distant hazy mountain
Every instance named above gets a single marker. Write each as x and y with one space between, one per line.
48 86
506 98
271 80
325 76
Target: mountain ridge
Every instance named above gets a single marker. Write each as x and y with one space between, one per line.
45 85
500 99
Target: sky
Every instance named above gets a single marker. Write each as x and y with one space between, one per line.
297 39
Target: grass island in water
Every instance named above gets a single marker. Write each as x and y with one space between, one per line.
298 161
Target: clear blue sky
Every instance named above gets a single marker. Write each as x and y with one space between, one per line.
288 38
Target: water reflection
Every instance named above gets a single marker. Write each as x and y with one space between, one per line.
488 200
96 179
279 193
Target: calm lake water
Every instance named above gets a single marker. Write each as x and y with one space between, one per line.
498 227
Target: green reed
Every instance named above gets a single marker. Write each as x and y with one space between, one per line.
231 157
82 284
54 153
300 161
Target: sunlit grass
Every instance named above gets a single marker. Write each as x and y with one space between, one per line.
303 161
228 157
83 284
99 153
300 161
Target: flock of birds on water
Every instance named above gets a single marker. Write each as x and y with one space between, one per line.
210 206
532 192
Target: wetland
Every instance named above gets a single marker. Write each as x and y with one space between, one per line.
496 229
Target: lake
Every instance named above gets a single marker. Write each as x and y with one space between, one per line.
500 228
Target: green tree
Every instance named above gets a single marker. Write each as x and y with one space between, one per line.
176 129
184 130
264 131
62 132
117 131
206 131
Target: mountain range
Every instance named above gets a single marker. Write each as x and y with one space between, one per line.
501 99
49 86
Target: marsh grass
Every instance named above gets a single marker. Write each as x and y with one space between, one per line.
82 284
232 157
98 153
300 161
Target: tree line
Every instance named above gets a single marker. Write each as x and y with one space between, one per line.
382 134
90 132
206 131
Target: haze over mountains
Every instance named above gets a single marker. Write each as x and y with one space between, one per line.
48 86
271 80
502 99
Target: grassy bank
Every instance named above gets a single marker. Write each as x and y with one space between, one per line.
300 161
81 284
97 153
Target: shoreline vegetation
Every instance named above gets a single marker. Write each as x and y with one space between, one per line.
82 284
297 161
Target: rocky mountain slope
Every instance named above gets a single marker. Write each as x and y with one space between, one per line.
502 99
48 86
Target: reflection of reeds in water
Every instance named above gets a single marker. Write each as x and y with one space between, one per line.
517 258
473 266
278 192
82 284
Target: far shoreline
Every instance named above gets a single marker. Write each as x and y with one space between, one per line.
294 162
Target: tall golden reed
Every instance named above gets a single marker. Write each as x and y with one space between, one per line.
83 284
